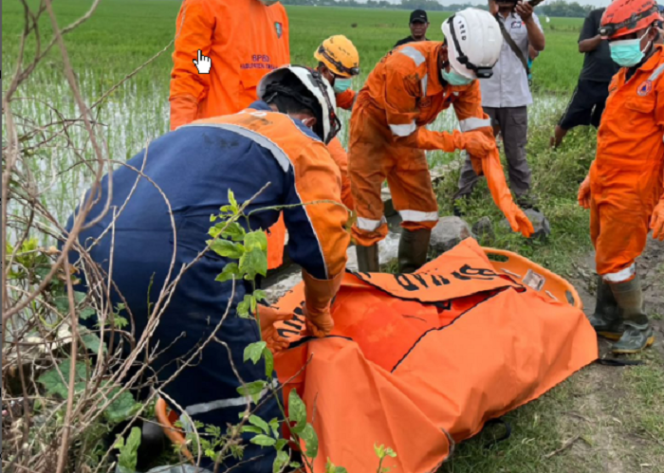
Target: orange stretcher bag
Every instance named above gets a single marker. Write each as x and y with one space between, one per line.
418 362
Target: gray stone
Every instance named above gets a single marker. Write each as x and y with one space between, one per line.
483 228
449 232
540 223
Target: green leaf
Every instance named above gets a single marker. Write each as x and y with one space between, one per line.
390 453
251 429
93 343
256 240
263 440
230 270
295 465
62 304
253 262
128 456
54 384
260 295
79 297
232 201
252 389
260 423
243 307
226 249
280 461
269 362
380 451
234 231
86 313
281 443
122 408
253 351
297 412
309 436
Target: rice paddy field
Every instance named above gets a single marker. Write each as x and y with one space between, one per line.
613 419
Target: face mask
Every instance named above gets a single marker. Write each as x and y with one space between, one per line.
454 78
628 52
342 85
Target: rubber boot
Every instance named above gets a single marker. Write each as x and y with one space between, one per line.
606 319
413 249
638 332
367 258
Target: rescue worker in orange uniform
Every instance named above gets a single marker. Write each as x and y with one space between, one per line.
245 39
624 189
280 140
406 91
338 62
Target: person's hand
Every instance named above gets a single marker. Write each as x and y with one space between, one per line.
477 143
584 193
267 317
525 11
657 221
321 324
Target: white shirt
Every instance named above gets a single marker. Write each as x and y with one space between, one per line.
508 87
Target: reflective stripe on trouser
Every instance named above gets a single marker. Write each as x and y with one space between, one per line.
373 158
621 205
513 125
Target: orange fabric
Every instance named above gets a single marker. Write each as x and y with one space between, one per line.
626 176
244 39
346 99
276 237
420 360
387 135
317 178
375 158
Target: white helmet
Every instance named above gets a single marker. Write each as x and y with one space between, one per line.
474 41
281 82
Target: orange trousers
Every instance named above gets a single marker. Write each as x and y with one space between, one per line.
373 157
623 197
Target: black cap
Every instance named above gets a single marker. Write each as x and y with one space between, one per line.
419 16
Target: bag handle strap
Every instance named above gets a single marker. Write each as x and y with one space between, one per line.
515 49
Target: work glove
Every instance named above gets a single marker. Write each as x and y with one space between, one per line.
657 221
584 193
477 143
318 295
267 316
495 178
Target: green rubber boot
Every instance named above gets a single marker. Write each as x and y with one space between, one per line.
367 259
638 333
413 249
606 319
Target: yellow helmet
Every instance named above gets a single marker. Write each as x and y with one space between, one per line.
339 55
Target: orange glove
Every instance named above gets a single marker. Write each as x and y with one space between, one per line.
657 221
495 178
267 316
183 110
584 193
318 294
477 143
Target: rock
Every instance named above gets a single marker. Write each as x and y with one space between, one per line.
279 290
540 223
484 228
449 232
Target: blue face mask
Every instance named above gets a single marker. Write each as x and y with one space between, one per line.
454 78
342 85
627 52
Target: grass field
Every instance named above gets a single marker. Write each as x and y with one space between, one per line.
617 413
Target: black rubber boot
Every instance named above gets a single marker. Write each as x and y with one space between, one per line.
367 259
606 319
638 333
413 249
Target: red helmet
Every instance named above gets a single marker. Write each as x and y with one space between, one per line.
623 17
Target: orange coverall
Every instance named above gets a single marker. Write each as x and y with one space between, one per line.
276 238
244 39
626 176
388 135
